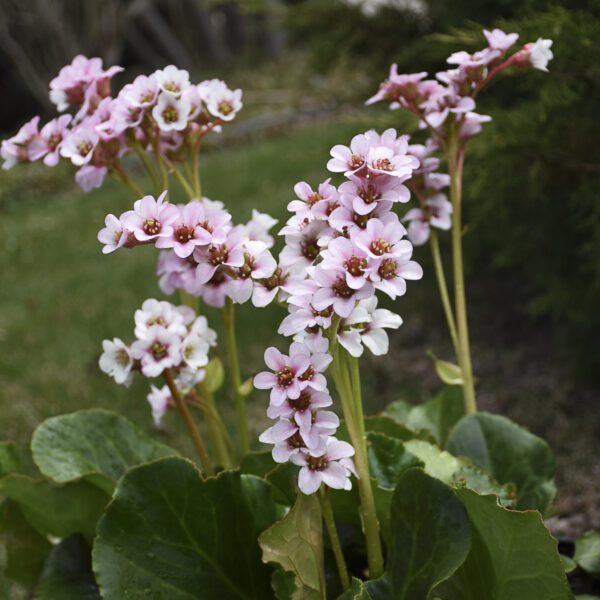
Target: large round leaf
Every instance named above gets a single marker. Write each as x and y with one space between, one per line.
96 444
508 453
513 556
430 534
168 534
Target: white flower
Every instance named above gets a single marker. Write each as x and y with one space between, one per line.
194 351
540 54
155 312
159 400
172 81
170 113
116 361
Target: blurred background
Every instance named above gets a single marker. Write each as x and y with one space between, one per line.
306 66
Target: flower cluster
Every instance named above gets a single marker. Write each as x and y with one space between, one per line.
167 337
163 113
204 253
342 245
450 97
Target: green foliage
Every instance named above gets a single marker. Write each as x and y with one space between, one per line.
68 573
587 552
512 556
430 538
170 533
97 445
508 453
296 543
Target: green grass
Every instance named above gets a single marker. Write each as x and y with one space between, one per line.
60 296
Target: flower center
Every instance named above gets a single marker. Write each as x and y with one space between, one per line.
383 164
302 403
308 374
379 246
387 269
184 234
246 269
369 194
295 441
310 249
146 97
356 266
313 199
158 350
217 255
170 114
356 162
317 463
225 108
171 86
151 227
360 220
285 376
322 313
84 148
122 357
341 288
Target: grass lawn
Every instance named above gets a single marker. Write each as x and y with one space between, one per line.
60 296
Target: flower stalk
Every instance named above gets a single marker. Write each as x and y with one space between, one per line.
334 538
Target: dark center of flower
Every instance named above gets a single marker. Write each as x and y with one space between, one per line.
151 227
355 266
308 374
84 148
317 463
341 288
296 441
274 281
310 249
369 194
285 376
387 269
313 199
246 269
170 114
360 220
225 108
322 313
379 246
302 403
356 162
217 255
158 350
122 357
54 140
383 164
184 234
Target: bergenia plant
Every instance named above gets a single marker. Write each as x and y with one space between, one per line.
433 501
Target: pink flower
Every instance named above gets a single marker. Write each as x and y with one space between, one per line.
175 273
498 40
258 264
381 240
282 282
90 177
151 219
304 315
159 350
382 160
301 250
210 258
363 195
160 401
313 204
257 228
17 148
398 88
187 231
142 92
220 101
285 381
390 274
350 159
162 313
79 145
436 211
333 467
214 291
113 236
471 125
342 254
335 292
47 145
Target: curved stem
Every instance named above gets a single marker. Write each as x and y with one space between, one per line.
189 422
456 156
128 181
234 374
329 519
441 281
367 501
357 391
143 156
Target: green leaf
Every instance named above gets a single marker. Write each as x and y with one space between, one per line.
282 477
437 415
96 444
458 472
448 372
513 556
508 453
169 534
431 536
569 565
357 591
68 573
215 375
388 459
25 548
10 460
56 510
296 543
391 428
587 552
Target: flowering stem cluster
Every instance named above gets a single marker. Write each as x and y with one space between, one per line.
445 108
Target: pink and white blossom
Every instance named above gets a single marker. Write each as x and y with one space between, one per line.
116 361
